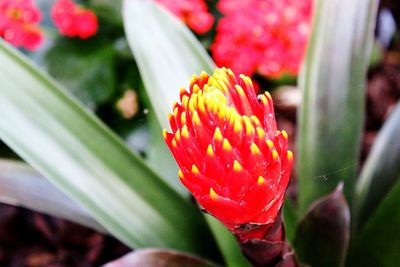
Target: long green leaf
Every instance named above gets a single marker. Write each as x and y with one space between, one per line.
332 84
380 172
166 52
20 185
72 148
378 242
168 55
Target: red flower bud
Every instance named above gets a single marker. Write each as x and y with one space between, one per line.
73 20
230 153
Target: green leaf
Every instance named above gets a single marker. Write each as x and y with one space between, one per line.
290 219
323 235
166 52
227 243
83 67
378 242
20 185
160 258
77 152
332 84
168 55
380 172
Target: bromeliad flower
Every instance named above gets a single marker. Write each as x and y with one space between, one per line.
231 156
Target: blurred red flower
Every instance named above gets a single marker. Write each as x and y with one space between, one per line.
231 156
268 37
73 20
19 23
192 12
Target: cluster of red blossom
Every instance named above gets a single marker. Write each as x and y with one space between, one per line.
193 12
73 20
268 37
19 21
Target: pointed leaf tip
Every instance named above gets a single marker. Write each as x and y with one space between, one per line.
323 235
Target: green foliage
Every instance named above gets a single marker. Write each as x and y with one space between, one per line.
85 68
381 172
323 235
73 149
22 186
332 83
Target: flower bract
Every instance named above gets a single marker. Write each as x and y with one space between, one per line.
231 156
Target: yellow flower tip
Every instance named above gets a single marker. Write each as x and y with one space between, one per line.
195 170
192 104
239 89
185 100
201 105
254 149
170 116
218 135
182 91
203 74
289 155
176 112
164 133
213 195
260 180
255 120
249 128
196 119
174 104
246 80
264 100
222 113
173 142
183 117
236 166
178 135
210 150
196 88
268 95
284 134
238 127
180 174
260 133
226 146
193 79
185 132
275 154
270 144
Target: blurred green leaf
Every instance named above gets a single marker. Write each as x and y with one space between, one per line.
20 185
378 242
166 52
332 84
323 235
168 55
86 68
73 149
159 258
381 171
